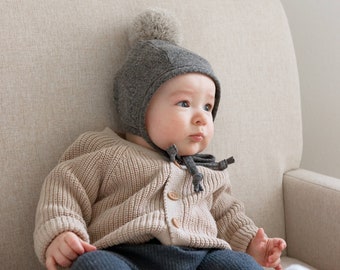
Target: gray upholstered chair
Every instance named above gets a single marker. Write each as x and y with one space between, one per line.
57 62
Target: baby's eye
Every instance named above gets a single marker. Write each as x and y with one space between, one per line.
208 107
183 103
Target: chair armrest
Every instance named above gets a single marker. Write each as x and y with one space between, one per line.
312 214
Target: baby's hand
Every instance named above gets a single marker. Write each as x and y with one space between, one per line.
64 249
267 251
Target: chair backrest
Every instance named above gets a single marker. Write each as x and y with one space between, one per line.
57 62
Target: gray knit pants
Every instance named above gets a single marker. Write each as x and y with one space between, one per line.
153 256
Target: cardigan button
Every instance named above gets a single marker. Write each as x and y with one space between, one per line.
173 196
176 223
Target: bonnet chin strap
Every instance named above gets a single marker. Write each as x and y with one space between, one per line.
191 163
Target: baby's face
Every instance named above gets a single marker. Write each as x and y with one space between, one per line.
180 113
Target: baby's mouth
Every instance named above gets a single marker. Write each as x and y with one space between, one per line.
198 137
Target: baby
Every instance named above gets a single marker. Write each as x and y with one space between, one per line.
148 199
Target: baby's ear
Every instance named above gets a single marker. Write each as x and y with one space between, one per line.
154 24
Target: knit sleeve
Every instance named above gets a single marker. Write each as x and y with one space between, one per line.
66 199
233 224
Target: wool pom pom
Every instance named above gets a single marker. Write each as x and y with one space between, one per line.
154 24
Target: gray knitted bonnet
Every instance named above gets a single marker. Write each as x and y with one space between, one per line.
154 58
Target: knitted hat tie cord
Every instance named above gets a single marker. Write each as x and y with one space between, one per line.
191 163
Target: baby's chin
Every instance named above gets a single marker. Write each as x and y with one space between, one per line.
187 153
181 151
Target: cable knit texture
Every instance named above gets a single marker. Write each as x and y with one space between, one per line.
110 191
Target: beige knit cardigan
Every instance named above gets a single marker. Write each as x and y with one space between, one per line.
110 191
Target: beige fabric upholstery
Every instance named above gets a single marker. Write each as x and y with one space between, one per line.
57 61
313 217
